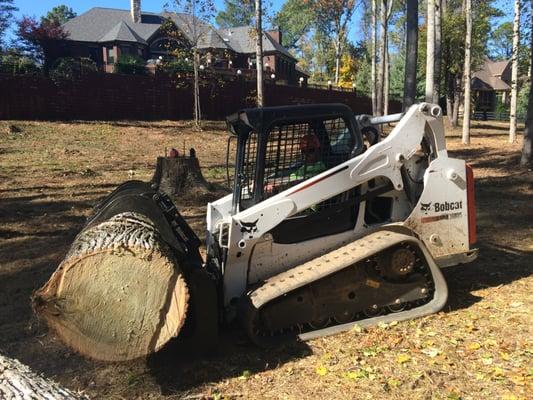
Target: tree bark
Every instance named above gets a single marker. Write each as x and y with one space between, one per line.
514 72
468 43
438 53
259 51
119 294
430 53
337 60
411 56
374 58
527 147
179 175
17 381
382 57
196 89
386 84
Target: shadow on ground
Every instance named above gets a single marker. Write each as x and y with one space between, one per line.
234 356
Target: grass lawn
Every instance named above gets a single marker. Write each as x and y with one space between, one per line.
479 346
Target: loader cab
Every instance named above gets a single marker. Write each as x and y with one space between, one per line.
279 147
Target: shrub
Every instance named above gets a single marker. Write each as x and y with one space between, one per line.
130 65
15 64
523 98
69 68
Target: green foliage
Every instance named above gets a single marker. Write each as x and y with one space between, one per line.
174 66
523 98
67 68
59 14
397 76
130 65
501 41
14 64
7 8
236 13
294 19
362 79
501 108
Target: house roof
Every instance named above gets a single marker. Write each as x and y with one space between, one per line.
489 76
98 23
496 67
241 39
108 24
123 33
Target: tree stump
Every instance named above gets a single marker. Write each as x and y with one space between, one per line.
119 294
179 175
17 381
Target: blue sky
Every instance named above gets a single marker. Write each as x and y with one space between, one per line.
38 8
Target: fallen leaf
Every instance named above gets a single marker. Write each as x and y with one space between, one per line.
359 374
403 358
505 356
357 329
498 371
516 304
321 370
431 352
393 382
474 346
487 360
245 374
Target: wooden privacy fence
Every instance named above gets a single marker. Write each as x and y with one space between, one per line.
101 96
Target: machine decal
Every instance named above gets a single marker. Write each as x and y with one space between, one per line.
448 206
319 180
249 227
425 207
441 217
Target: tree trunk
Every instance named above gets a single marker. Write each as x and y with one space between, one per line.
468 43
374 58
527 147
411 56
386 84
196 89
259 51
514 72
179 175
17 381
382 57
438 54
456 106
337 60
430 53
119 293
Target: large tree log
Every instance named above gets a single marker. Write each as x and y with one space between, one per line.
17 381
119 294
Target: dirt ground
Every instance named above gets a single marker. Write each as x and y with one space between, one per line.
479 346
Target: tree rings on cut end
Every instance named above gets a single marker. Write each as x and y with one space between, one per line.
119 294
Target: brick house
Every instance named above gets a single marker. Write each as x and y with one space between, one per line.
106 34
491 85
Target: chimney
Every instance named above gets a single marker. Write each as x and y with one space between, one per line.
276 35
136 11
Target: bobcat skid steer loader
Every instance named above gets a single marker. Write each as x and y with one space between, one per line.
326 227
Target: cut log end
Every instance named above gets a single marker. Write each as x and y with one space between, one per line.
119 294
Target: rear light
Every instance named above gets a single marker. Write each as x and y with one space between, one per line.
471 202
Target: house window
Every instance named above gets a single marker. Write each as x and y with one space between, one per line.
110 55
125 50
